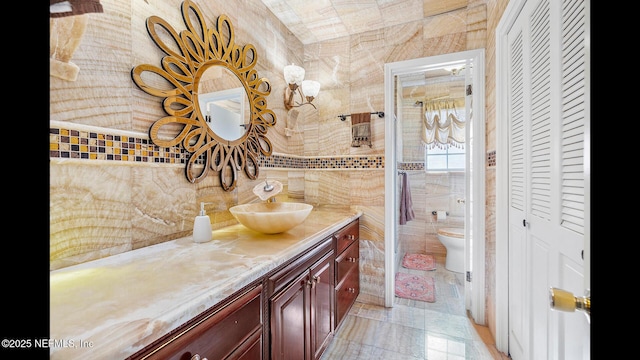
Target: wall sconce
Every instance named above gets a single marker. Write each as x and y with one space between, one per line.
307 89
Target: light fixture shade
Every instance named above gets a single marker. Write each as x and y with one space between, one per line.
293 74
310 88
455 69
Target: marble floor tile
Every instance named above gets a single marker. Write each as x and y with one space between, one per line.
413 330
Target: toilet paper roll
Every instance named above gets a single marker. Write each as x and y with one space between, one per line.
441 215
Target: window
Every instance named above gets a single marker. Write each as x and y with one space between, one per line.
443 135
438 159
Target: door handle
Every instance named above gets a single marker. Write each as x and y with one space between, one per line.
562 300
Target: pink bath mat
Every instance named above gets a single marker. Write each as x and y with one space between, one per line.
419 262
415 287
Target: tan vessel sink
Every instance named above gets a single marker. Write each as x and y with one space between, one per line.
271 217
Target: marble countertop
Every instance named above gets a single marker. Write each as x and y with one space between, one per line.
112 307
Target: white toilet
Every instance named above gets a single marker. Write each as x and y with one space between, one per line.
453 240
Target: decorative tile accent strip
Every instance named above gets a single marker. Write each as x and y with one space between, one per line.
334 162
80 144
491 158
411 166
92 145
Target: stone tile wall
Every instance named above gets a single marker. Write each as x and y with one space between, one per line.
102 204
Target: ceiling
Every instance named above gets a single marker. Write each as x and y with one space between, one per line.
321 20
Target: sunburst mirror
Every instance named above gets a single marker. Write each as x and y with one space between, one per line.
213 96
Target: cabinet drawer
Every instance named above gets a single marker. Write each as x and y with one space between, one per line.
347 235
250 350
347 261
346 294
232 331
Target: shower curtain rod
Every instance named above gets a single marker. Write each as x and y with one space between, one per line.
344 117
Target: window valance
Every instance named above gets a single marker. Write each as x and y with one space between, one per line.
443 125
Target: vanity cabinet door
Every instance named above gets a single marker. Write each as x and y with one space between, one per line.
322 303
231 331
302 310
290 321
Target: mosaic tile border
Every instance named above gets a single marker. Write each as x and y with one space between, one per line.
405 166
90 145
491 158
333 162
93 145
491 162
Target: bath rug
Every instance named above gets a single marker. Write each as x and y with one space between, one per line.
415 287
419 262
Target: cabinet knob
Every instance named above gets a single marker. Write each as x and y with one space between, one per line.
197 357
352 259
351 290
312 283
351 237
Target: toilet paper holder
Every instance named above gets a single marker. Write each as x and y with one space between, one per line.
434 212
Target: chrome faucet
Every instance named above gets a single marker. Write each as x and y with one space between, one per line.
268 192
268 187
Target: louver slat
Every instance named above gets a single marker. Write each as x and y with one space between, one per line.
540 161
573 117
516 116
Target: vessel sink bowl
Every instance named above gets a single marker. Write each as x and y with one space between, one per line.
271 217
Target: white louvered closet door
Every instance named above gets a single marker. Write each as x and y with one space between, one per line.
547 115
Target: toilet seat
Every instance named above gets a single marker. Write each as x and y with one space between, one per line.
452 232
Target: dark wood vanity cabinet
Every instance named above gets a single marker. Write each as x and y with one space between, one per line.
301 305
291 313
347 264
231 330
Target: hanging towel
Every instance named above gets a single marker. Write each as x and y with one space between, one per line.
361 129
406 205
62 8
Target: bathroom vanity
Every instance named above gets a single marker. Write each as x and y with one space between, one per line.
234 297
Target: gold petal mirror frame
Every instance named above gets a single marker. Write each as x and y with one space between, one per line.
189 55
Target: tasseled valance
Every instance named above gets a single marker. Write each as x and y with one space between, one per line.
442 125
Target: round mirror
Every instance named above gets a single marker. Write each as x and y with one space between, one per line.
222 101
214 95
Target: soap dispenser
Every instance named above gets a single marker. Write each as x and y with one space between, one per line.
202 226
